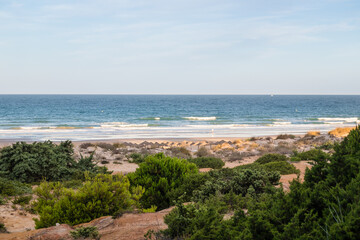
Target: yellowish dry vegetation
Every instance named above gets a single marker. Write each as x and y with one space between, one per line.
341 132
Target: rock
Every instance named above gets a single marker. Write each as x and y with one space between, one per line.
53 233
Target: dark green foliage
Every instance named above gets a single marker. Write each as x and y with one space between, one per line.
34 162
159 175
208 162
13 188
85 232
313 154
137 158
100 196
325 206
240 182
295 159
282 167
271 157
285 136
3 228
22 200
190 183
37 161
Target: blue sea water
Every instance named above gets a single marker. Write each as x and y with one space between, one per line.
86 117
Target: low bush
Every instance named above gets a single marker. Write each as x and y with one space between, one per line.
86 145
137 158
3 228
44 160
240 182
285 136
180 152
271 157
106 146
203 152
22 200
85 232
2 200
13 188
283 168
99 196
313 154
207 162
295 159
159 175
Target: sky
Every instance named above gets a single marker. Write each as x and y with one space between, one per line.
180 47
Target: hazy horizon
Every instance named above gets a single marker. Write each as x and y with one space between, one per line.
188 47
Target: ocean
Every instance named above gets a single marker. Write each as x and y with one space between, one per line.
97 117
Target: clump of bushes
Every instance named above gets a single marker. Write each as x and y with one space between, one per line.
137 158
106 146
22 200
99 196
86 145
285 136
3 228
313 154
159 175
208 162
203 152
180 152
85 232
271 157
43 160
13 188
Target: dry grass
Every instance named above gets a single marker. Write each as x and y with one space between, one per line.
313 133
341 132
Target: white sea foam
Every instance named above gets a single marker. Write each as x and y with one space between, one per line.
352 119
334 122
281 123
121 125
200 118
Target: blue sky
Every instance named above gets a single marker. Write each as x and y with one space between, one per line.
180 47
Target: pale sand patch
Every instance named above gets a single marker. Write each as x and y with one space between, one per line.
286 179
124 167
16 220
244 161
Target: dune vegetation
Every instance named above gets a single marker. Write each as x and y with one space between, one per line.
245 202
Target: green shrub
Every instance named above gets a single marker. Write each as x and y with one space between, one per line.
2 200
13 188
37 161
203 152
282 167
285 136
295 159
137 158
240 182
313 154
159 175
208 162
186 190
180 152
99 196
271 157
3 228
86 145
85 232
22 200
